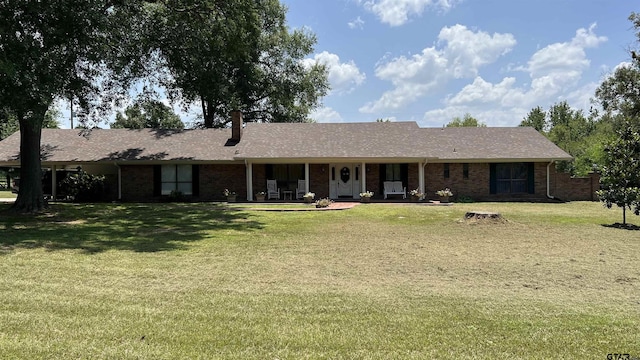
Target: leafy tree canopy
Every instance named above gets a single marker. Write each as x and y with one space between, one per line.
619 94
579 135
62 49
466 121
148 114
237 55
223 55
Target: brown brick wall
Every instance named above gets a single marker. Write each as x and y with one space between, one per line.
137 182
214 178
373 179
567 188
477 186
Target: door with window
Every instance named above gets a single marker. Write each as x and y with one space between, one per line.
344 181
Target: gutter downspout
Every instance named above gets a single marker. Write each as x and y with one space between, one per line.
549 180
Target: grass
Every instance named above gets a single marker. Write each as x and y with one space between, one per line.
7 194
173 281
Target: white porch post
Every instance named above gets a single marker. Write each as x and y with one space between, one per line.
306 178
421 178
363 176
119 182
249 172
54 182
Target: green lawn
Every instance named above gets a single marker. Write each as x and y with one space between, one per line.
195 281
7 194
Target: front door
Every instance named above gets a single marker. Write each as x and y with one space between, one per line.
344 180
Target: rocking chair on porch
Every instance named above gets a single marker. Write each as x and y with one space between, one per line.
272 190
300 190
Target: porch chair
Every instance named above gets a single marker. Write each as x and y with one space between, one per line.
272 190
394 188
300 190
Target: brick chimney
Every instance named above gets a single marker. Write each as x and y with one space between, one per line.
236 125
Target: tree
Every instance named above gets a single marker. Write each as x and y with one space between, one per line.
56 49
238 55
148 114
9 123
466 121
571 130
620 178
536 118
620 93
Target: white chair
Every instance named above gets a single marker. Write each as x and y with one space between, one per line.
272 190
394 188
301 189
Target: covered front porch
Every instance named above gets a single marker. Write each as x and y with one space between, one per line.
338 179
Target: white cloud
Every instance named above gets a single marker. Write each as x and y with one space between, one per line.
481 91
356 24
555 71
326 115
343 77
397 12
567 56
461 54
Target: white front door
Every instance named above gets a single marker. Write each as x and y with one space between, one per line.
344 180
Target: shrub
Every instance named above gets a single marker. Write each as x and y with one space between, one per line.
84 187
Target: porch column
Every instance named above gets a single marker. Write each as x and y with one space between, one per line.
249 173
421 178
54 182
119 181
363 172
306 178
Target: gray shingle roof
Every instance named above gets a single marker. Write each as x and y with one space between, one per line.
66 145
404 141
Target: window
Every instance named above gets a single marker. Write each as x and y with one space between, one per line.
177 178
465 171
393 172
446 171
512 178
287 175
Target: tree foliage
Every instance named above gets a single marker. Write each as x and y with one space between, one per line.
620 178
619 93
466 121
238 55
579 135
536 118
147 114
82 50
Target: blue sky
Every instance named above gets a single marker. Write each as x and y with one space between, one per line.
432 60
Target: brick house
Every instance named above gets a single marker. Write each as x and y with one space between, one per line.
334 160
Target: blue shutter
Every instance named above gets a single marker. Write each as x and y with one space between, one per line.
531 183
157 180
492 179
195 180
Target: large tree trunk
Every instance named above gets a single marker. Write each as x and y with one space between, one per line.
30 196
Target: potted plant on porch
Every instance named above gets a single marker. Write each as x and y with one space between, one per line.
444 194
231 195
365 197
260 196
416 195
308 197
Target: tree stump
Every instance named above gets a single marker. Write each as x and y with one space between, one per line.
482 215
